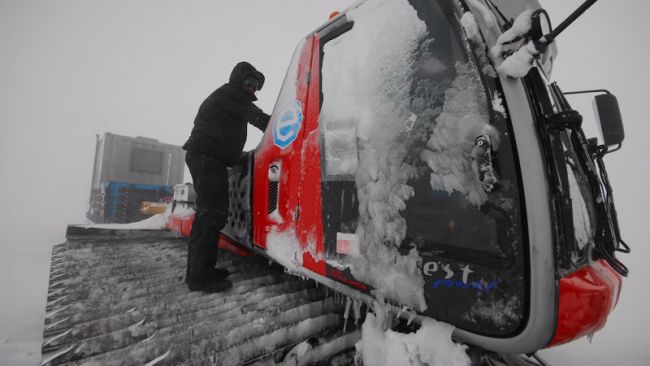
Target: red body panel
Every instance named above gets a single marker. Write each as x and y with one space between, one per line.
309 228
230 245
586 298
183 226
289 159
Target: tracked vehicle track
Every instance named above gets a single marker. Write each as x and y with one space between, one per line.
120 299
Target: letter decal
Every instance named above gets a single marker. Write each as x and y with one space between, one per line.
448 271
429 268
466 271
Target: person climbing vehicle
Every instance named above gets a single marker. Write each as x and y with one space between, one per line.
215 143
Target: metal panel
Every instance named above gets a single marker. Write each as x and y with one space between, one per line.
137 160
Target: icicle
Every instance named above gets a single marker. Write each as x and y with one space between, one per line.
411 318
590 337
346 314
401 311
357 312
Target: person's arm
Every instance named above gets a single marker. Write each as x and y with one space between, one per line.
262 121
258 118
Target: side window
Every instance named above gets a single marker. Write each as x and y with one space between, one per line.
337 125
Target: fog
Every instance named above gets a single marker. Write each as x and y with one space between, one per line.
72 69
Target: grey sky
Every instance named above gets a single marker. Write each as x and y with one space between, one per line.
70 69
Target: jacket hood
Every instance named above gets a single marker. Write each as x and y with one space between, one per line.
241 71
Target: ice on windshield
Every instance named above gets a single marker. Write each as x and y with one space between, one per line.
399 103
450 148
512 46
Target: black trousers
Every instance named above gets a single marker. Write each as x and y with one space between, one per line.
210 177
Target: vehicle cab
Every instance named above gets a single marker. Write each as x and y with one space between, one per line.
404 161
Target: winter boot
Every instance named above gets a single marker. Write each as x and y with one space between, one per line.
209 286
219 273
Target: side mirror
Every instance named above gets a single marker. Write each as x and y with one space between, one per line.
608 116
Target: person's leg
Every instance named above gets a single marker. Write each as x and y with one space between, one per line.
210 178
194 163
205 250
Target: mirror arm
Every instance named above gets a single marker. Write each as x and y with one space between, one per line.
608 150
593 91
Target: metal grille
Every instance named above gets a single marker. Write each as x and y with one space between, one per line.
273 196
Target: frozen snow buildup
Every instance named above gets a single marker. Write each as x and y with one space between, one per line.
431 345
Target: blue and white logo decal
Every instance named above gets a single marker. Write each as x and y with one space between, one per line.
287 125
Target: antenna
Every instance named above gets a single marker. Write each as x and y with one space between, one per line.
549 38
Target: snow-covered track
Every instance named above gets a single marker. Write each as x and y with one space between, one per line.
120 299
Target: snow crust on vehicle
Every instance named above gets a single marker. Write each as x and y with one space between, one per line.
497 104
470 26
486 14
499 312
390 38
473 33
451 146
288 92
584 233
286 250
518 54
183 210
430 345
518 64
155 222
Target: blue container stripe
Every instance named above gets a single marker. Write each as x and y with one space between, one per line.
112 191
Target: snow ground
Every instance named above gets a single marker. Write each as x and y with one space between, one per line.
24 273
155 222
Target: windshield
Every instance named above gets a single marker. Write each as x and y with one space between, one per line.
419 164
422 130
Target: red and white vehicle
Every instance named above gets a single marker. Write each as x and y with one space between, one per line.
404 161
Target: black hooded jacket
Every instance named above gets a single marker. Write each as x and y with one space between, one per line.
221 123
